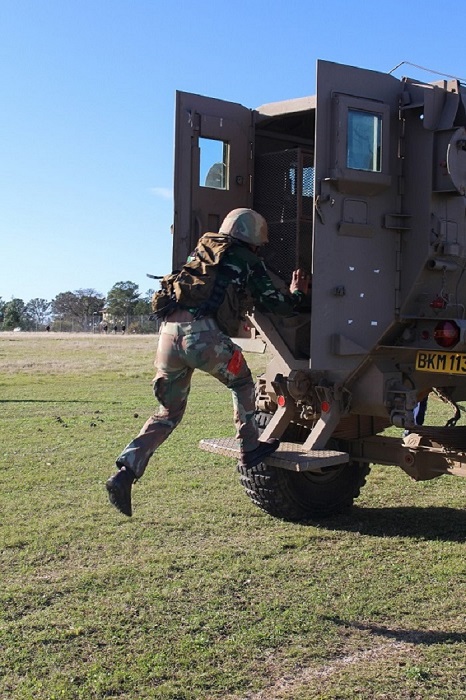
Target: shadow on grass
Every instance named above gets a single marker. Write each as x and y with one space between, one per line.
434 523
427 637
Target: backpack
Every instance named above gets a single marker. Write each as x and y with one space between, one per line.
194 283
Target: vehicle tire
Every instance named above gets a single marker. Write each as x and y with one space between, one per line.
302 496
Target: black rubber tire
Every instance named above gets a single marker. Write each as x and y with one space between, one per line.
303 496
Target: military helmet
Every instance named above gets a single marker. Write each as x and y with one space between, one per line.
246 225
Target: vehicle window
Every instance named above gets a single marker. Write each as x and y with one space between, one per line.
308 180
364 148
214 157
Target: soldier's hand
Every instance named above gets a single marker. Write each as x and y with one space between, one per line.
300 281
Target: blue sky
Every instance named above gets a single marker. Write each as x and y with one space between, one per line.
86 124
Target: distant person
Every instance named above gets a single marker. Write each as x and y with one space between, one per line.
115 328
123 328
191 337
105 328
420 411
47 328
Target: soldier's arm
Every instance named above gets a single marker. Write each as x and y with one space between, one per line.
271 299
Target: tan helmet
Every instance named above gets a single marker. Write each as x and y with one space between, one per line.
246 225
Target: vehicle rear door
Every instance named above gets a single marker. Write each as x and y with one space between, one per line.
356 235
213 167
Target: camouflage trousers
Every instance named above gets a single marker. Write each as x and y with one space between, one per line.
182 348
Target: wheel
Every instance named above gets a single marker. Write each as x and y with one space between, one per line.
300 496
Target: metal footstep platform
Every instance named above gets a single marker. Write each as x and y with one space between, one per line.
289 455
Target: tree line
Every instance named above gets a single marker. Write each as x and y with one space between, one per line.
124 307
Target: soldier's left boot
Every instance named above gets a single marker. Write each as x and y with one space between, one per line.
119 490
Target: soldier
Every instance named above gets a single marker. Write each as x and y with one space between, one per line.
190 338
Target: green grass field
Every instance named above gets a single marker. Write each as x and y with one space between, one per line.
202 596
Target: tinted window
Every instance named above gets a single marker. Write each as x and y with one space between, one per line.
364 151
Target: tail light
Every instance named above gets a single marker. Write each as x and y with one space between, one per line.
446 334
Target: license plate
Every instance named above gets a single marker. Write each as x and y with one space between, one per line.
444 362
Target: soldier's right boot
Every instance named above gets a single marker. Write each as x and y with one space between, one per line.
250 459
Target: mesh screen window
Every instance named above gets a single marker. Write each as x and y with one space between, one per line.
283 194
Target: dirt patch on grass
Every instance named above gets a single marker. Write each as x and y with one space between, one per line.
313 678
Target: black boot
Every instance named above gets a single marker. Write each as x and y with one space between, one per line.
250 459
119 490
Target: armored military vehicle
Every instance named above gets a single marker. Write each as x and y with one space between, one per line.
364 186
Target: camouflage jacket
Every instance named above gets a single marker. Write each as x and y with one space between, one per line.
241 283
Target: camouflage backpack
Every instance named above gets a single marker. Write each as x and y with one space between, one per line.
194 283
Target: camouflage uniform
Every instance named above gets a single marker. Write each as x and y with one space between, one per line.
191 339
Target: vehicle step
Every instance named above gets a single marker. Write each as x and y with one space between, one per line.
289 455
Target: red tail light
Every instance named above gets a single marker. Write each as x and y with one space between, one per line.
446 334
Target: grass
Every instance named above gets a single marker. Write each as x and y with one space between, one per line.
201 596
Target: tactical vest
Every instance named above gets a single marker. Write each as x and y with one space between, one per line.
193 285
